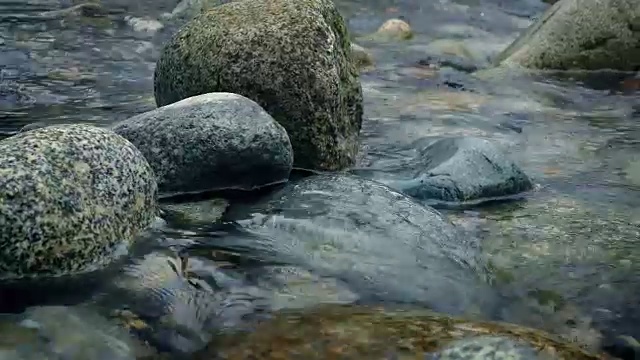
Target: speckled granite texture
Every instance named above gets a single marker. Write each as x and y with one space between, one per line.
290 56
211 142
70 196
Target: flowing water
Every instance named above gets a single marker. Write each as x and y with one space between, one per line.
572 240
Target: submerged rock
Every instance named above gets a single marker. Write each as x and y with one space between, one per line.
176 303
366 333
580 34
71 198
292 57
380 243
211 142
461 169
61 332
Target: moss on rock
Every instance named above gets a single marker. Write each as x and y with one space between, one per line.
291 57
580 34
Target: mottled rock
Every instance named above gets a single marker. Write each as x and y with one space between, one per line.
211 142
460 169
361 57
580 34
61 332
344 332
290 56
71 197
394 29
383 245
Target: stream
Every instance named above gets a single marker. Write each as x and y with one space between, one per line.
572 243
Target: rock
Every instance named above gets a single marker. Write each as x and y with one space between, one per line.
144 25
488 347
461 169
247 48
348 332
61 332
361 57
194 214
394 29
381 244
71 197
580 34
211 142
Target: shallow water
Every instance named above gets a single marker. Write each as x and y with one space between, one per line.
574 239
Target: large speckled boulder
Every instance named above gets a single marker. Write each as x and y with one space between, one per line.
71 198
458 170
580 34
290 56
381 244
211 142
344 332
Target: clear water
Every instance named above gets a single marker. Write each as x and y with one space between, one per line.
573 240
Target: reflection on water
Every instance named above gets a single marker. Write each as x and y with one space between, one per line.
576 237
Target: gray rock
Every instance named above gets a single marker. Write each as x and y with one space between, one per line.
580 34
462 169
71 198
61 332
488 347
292 57
211 142
380 243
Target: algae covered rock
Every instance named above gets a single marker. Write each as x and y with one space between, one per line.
381 244
211 142
291 57
71 197
580 34
344 332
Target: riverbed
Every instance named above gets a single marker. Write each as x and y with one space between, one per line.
570 243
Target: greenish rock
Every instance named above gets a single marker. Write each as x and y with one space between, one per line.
361 57
581 35
291 57
194 214
66 332
72 197
352 332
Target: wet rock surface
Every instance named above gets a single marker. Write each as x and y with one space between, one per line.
357 333
269 52
73 197
211 142
381 243
458 170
